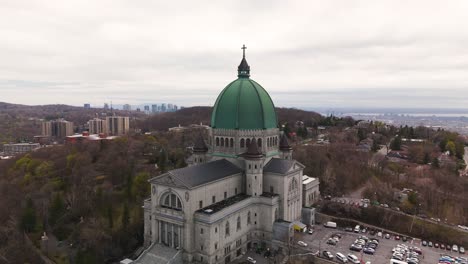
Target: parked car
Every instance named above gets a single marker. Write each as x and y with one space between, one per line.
302 243
442 246
251 260
369 250
429 244
379 234
404 238
424 243
311 231
448 247
455 248
436 245
417 250
397 237
331 241
349 229
353 259
357 228
462 250
355 247
387 236
342 258
372 245
327 254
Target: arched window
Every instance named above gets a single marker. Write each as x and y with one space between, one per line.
259 142
171 201
248 218
217 141
293 185
222 142
227 228
242 143
248 142
276 141
238 223
276 213
269 142
231 143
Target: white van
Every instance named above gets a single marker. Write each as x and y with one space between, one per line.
330 224
357 229
340 257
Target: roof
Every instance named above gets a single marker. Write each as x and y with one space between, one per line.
284 144
280 166
200 145
216 207
193 176
306 179
244 104
253 151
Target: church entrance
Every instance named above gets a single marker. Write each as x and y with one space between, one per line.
170 234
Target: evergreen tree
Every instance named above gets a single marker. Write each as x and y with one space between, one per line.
162 161
125 216
304 132
361 134
28 218
286 130
396 143
375 146
110 216
450 147
459 149
57 208
427 158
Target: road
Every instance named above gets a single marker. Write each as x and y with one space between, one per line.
357 202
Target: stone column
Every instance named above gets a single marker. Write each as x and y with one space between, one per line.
180 235
172 234
160 234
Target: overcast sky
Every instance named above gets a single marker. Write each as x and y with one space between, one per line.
304 53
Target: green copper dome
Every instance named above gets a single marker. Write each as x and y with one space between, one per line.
244 104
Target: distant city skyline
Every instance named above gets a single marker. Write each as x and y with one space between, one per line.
306 54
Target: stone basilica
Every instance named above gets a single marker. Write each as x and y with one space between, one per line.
241 183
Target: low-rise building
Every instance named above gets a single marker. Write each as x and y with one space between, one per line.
310 190
19 148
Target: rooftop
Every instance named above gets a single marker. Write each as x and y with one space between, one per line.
306 179
216 207
200 174
269 194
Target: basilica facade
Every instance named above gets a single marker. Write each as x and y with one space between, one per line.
239 182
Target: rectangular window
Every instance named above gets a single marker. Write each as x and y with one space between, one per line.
213 199
200 204
201 230
216 245
225 195
271 189
235 191
201 247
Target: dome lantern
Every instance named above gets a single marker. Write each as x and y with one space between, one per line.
243 70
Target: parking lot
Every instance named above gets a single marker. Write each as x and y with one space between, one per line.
318 241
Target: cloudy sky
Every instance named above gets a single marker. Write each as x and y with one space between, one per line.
305 53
